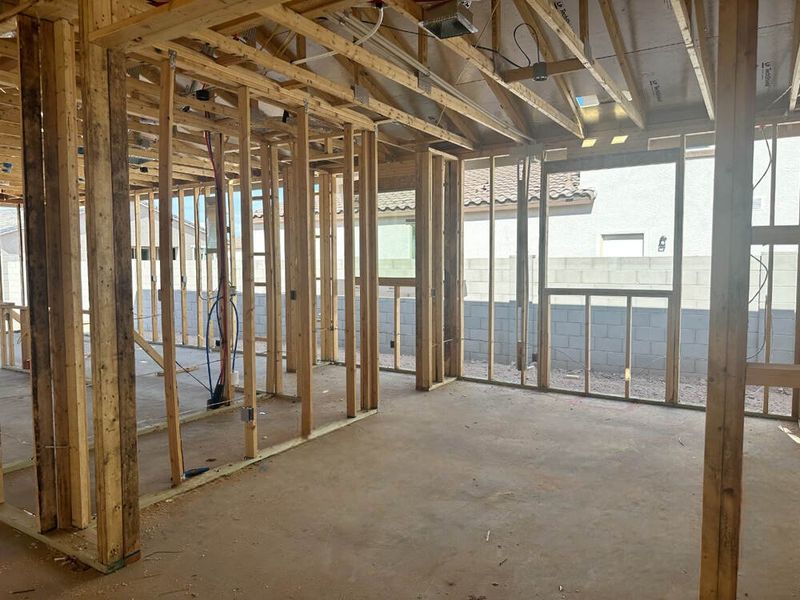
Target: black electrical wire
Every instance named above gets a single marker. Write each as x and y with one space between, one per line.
535 37
763 282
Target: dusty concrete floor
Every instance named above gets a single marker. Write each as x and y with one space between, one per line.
467 492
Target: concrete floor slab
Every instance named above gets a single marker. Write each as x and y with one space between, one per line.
470 491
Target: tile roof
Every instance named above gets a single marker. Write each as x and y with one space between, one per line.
563 186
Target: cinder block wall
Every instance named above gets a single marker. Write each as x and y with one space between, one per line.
608 314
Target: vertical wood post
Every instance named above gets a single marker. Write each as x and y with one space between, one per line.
325 266
137 236
290 200
523 285
543 344
437 267
454 270
182 264
29 36
492 270
348 192
730 274
422 220
64 264
673 360
306 288
151 237
165 259
247 318
270 193
198 274
369 190
110 290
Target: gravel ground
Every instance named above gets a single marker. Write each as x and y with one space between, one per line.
643 384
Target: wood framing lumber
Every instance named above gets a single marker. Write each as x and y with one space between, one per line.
165 262
348 189
29 34
673 358
182 264
570 39
612 26
269 61
64 225
306 285
151 237
730 275
437 266
335 42
113 386
422 222
149 350
198 274
137 235
270 202
205 68
696 49
472 55
369 221
559 67
773 375
453 270
172 20
248 316
123 297
777 235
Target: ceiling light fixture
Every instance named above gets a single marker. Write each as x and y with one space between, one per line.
449 19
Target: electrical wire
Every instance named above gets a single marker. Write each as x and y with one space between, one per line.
762 282
535 37
358 42
510 61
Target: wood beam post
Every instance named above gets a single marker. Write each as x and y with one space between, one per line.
247 320
198 273
424 306
64 267
137 235
730 256
182 264
348 189
523 284
151 239
290 201
437 267
166 291
270 194
306 286
33 148
369 222
110 290
454 270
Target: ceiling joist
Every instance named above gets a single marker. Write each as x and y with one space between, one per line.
472 55
555 21
335 42
696 49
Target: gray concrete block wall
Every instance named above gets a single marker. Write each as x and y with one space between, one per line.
608 333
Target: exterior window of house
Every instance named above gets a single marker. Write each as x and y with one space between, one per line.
623 244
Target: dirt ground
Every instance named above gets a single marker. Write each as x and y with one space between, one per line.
469 492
